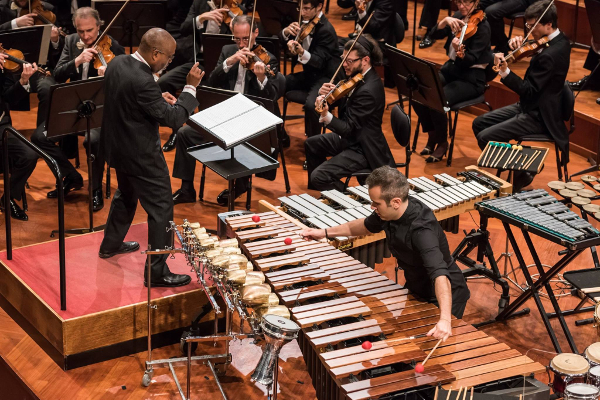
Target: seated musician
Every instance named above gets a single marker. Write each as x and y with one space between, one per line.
382 24
463 75
76 63
416 239
22 159
538 109
230 74
357 141
207 21
317 54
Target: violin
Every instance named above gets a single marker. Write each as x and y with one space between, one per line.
233 9
104 42
469 30
342 89
260 54
42 16
307 29
15 61
527 49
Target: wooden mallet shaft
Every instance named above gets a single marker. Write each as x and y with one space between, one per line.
431 352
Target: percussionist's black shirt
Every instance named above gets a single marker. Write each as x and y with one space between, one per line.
419 244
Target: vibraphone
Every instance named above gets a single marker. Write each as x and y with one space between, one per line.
339 303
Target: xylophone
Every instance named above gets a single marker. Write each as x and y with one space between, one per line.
340 303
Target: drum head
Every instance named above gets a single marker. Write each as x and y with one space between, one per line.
568 193
570 364
580 201
592 208
579 390
557 185
589 178
595 371
574 185
592 352
276 323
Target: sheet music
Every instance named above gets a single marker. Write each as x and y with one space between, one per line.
224 111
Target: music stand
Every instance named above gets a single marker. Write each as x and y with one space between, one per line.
134 21
76 107
32 41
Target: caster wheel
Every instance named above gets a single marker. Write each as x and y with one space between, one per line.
183 346
146 379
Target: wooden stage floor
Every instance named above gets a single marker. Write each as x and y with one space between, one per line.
120 378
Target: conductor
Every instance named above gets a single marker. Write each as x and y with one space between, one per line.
416 240
133 109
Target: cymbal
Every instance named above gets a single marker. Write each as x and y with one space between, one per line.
597 186
580 201
592 208
557 185
568 193
586 193
597 215
589 178
574 185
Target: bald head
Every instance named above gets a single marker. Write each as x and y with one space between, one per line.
158 48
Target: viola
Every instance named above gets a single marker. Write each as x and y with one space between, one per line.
260 54
15 61
527 49
233 9
469 30
42 16
341 89
307 29
105 55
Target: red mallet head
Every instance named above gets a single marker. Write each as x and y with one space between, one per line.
287 241
367 345
420 368
255 218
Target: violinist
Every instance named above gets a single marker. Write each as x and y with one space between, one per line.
538 109
230 73
317 53
77 63
356 141
206 20
463 75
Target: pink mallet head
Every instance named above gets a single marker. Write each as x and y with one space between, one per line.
255 218
367 345
287 241
420 368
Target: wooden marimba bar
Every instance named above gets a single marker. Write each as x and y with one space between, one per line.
339 303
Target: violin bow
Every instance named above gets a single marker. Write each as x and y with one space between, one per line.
351 48
109 25
300 13
194 36
252 27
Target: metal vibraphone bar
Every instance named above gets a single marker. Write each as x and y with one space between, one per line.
339 303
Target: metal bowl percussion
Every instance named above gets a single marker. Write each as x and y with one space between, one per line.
277 330
256 294
568 193
589 178
593 377
574 185
557 185
568 368
580 201
229 243
581 391
586 193
592 354
261 275
592 208
237 276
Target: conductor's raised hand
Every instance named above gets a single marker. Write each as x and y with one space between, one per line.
194 77
515 42
442 330
169 98
326 88
312 234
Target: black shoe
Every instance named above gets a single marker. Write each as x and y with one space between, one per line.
170 144
350 16
426 42
15 211
223 197
183 196
305 166
98 200
579 84
170 280
521 180
126 247
69 184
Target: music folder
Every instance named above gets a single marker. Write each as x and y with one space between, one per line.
234 121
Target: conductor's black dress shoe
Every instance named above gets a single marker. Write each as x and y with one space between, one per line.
126 247
183 196
170 280
170 144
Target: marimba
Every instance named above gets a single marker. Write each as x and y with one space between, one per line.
339 302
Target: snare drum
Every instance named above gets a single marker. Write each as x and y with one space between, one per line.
568 369
593 377
581 391
592 354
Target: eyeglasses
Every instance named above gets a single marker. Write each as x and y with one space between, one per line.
463 2
160 51
528 26
350 61
307 9
239 40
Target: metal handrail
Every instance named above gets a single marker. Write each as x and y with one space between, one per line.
61 205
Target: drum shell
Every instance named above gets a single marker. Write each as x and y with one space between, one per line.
593 377
561 380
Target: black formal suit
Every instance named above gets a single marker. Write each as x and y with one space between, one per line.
23 159
539 108
356 141
65 70
6 17
184 167
381 26
324 59
133 109
461 79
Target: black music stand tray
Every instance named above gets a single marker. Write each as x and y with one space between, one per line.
135 19
76 107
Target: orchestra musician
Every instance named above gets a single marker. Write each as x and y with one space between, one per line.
22 159
463 75
356 141
230 73
207 21
381 26
416 239
133 109
76 63
317 54
538 109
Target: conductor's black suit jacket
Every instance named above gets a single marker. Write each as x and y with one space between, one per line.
361 119
133 109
